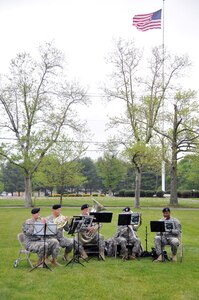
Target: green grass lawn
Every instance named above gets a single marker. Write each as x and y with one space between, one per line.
112 279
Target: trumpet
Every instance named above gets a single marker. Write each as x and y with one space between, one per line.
60 221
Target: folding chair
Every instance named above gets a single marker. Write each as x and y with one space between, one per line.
22 252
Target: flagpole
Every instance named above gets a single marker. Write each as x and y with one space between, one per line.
163 55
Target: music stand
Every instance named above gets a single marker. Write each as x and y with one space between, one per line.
146 253
158 226
43 230
101 217
125 219
75 227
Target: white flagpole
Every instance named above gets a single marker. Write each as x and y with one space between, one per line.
163 161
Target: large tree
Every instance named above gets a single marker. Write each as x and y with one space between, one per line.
181 132
141 92
111 170
37 103
62 168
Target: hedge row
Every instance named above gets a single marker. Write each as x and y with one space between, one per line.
78 195
159 194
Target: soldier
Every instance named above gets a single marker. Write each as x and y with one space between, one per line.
62 224
89 235
35 243
170 237
126 235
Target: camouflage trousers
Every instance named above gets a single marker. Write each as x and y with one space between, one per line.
79 245
66 243
50 247
160 243
134 242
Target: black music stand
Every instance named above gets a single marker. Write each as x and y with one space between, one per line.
158 226
43 230
75 228
125 219
101 217
146 253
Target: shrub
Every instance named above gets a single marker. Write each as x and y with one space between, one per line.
129 193
160 194
147 193
121 193
184 194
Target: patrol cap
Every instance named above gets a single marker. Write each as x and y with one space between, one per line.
84 206
166 209
35 210
127 209
56 206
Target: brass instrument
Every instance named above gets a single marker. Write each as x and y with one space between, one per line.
97 207
87 236
60 221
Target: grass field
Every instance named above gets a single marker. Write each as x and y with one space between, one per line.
112 279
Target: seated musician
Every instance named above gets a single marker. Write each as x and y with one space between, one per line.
89 235
35 243
62 224
127 234
170 237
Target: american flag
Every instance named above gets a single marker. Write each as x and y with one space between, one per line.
146 22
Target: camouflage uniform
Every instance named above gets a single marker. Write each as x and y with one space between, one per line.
169 237
64 242
82 239
125 235
36 244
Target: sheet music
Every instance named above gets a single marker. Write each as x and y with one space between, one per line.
51 229
169 225
86 221
135 219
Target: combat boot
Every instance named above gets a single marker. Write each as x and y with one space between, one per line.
101 255
55 263
174 258
40 263
159 259
132 256
66 257
84 255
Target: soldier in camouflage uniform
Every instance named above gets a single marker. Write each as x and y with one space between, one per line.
126 235
62 224
35 243
89 235
170 237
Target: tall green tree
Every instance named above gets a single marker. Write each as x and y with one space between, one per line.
142 94
181 131
62 168
93 182
111 170
37 104
13 179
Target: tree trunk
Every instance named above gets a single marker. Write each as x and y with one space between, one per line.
173 196
137 188
110 192
28 190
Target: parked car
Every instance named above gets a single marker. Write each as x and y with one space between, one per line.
3 194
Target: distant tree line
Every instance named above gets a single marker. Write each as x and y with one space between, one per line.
88 176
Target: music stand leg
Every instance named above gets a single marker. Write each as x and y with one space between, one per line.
76 254
43 263
162 252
